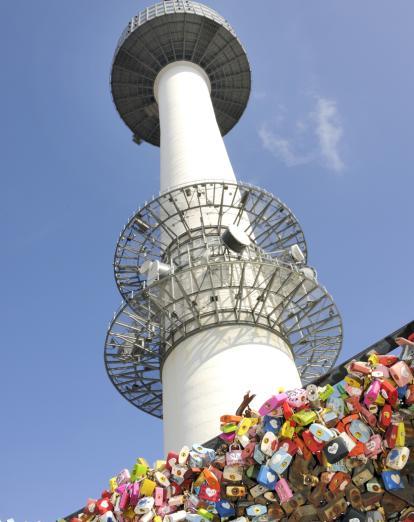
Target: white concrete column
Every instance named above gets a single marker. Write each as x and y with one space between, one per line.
192 148
207 375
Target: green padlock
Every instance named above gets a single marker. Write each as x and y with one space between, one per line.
304 417
325 392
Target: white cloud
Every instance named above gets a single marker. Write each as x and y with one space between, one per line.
281 148
329 132
315 137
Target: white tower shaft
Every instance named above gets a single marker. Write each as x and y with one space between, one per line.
192 148
208 373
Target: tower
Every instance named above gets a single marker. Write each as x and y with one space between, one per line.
218 298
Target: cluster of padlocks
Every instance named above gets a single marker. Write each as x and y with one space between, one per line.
327 453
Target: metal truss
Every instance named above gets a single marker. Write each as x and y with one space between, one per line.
161 231
264 293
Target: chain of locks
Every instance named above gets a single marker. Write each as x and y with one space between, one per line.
327 453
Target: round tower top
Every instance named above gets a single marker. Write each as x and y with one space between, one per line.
171 31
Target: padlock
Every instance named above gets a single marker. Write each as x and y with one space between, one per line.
311 443
208 493
235 491
280 461
374 486
297 398
329 418
359 431
353 496
147 487
178 473
161 479
256 510
288 430
389 392
373 446
400 438
392 480
267 477
401 373
295 501
272 424
325 392
333 509
337 405
258 456
108 516
228 437
320 432
230 427
387 360
257 490
338 448
243 426
352 515
183 455
290 446
283 490
233 473
144 505
140 469
385 416
361 475
397 458
409 395
213 476
177 500
339 482
313 396
353 380
207 453
375 516
224 419
370 396
360 367
272 403
267 444
304 417
234 456
391 436
306 513
225 508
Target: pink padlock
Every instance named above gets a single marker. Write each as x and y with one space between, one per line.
272 403
283 490
124 501
228 437
401 373
159 496
134 494
373 447
371 395
122 477
360 367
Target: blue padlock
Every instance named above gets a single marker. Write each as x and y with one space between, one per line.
280 461
321 432
256 510
272 424
267 477
392 480
360 431
225 509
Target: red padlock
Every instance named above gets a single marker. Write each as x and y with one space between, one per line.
385 417
389 392
312 444
391 436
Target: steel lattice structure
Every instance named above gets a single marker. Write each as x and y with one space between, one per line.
177 266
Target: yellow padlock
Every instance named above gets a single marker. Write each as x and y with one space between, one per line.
287 430
112 484
352 381
373 359
157 518
147 487
244 426
160 465
380 400
400 438
199 480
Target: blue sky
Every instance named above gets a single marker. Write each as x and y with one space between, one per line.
328 129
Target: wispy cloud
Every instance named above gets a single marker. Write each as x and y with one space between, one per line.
282 148
315 137
329 132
